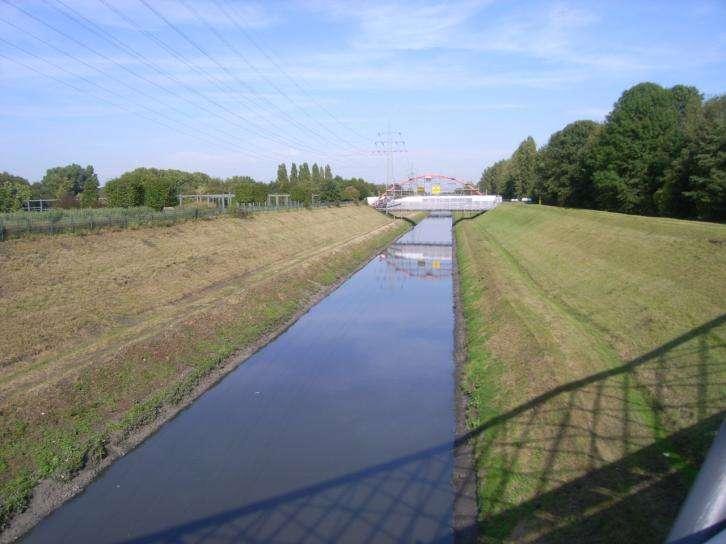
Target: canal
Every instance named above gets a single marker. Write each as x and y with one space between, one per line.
340 430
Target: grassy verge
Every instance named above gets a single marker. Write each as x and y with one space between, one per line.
103 332
596 368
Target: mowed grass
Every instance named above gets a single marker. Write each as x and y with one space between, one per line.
596 369
100 332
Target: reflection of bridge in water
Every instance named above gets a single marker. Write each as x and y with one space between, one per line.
420 260
433 192
424 253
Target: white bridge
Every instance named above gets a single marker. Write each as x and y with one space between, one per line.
433 192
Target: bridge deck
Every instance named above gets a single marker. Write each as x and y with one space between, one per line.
439 203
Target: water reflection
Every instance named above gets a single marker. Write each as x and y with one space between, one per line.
340 430
423 261
423 253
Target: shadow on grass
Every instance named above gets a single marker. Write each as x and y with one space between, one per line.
466 216
600 470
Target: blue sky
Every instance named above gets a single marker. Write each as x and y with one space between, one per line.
230 87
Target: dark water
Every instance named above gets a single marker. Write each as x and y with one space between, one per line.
338 431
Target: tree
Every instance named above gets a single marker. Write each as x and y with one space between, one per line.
294 179
298 193
703 164
637 144
350 193
249 191
329 191
14 192
562 178
660 151
316 179
493 178
523 168
126 191
145 187
282 180
304 174
89 195
328 173
72 179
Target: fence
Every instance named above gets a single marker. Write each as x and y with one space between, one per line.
21 224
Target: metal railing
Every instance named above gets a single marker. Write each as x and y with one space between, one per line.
703 514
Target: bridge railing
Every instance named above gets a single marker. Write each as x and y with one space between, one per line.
440 203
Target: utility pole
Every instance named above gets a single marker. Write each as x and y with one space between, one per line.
389 143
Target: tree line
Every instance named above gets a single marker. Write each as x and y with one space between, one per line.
659 151
72 185
76 186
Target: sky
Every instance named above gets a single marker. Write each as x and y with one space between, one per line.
232 87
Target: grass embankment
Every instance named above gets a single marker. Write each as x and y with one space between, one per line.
101 332
596 368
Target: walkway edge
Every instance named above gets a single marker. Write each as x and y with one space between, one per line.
464 478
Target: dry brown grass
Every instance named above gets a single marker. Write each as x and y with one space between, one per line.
105 328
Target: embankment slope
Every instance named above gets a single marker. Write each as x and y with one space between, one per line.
596 368
102 333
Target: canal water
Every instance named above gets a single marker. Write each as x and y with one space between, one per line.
340 430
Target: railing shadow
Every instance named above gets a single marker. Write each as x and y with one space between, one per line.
606 458
609 456
466 216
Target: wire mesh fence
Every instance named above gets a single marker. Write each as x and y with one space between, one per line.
19 224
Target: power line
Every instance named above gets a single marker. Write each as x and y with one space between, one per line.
280 91
274 85
93 27
103 73
390 143
199 48
287 139
287 75
195 131
262 131
85 92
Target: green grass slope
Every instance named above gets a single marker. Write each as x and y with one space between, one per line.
596 368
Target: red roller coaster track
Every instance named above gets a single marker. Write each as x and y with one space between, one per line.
468 186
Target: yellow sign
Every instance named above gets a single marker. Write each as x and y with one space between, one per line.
437 265
436 189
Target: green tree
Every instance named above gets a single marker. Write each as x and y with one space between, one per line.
494 177
562 177
249 191
89 195
126 191
327 173
294 179
245 192
639 140
146 187
299 193
329 191
696 184
282 180
69 180
304 189
14 191
316 178
522 168
350 193
304 175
